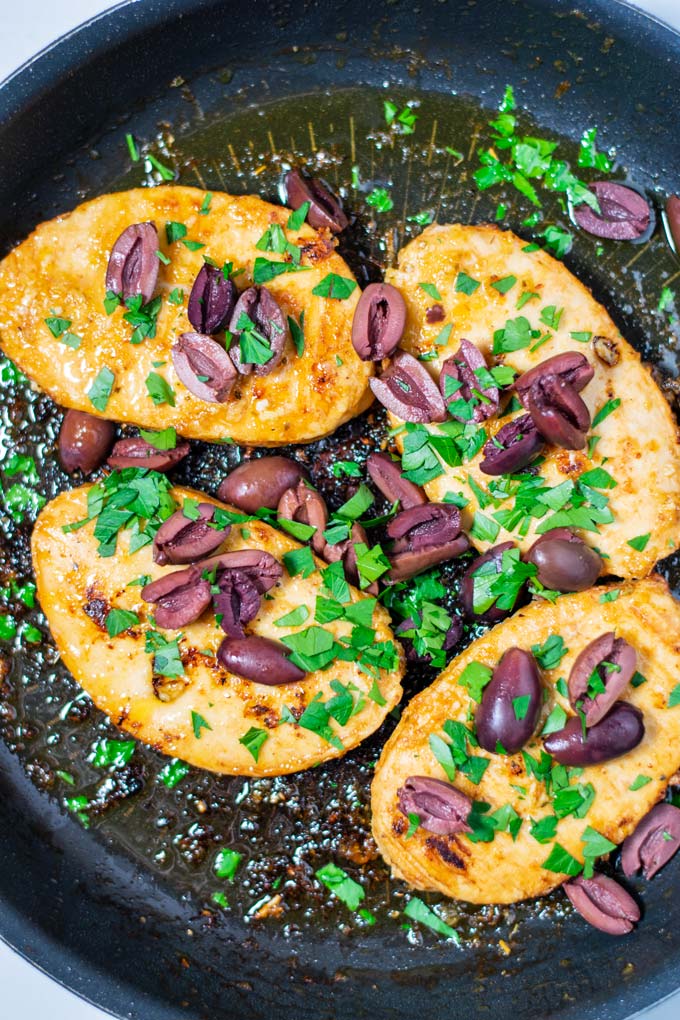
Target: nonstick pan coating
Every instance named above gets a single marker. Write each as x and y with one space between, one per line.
88 906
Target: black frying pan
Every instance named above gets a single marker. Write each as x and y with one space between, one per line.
119 912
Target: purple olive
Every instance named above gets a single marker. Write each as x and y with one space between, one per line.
653 843
180 597
505 719
183 540
261 567
440 807
618 733
237 603
257 315
136 452
204 367
564 561
603 903
435 313
673 223
378 323
133 263
571 367
625 214
558 412
479 568
259 659
306 506
260 483
457 381
424 536
324 208
407 389
386 475
513 447
606 667
84 441
211 301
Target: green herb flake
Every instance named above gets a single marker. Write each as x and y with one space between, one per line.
418 911
226 863
341 885
639 782
297 333
298 216
57 326
113 753
561 862
610 596
505 284
431 291
605 411
295 618
173 773
465 284
100 390
339 288
380 200
119 620
299 561
474 678
160 390
205 204
198 724
253 740
639 543
674 697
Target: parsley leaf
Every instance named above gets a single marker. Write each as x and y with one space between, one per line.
333 286
253 740
341 885
119 620
100 390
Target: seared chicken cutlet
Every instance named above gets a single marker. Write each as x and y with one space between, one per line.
522 788
520 307
59 274
167 688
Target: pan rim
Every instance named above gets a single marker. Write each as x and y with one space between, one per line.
66 55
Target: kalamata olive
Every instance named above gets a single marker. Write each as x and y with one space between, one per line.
513 447
407 389
672 223
606 350
257 317
259 659
324 208
180 597
260 483
237 603
211 301
604 903
558 412
306 506
183 540
378 322
489 564
263 569
386 475
564 561
457 381
84 441
625 214
435 313
405 634
653 843
618 733
133 262
441 808
424 536
571 367
136 452
600 674
504 718
204 367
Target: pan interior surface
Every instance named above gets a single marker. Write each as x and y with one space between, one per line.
124 911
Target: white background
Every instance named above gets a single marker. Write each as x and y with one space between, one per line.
25 27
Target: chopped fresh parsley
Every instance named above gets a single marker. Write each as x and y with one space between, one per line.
100 390
173 773
380 200
639 543
418 911
112 753
226 863
253 740
551 652
605 411
119 620
167 659
333 286
341 885
159 389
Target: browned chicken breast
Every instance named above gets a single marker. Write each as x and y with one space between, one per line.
520 307
59 274
198 711
609 798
